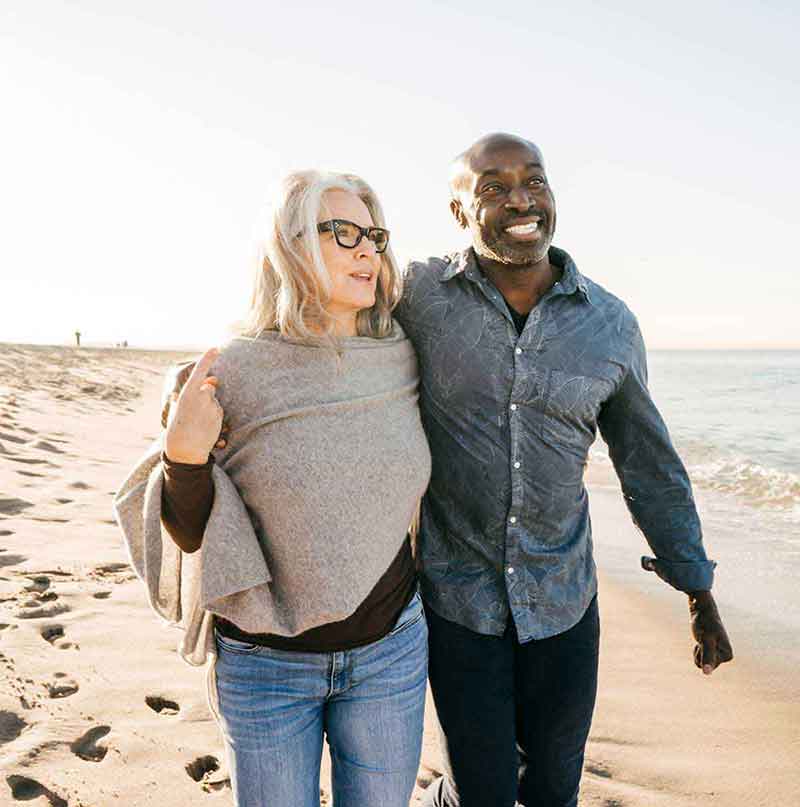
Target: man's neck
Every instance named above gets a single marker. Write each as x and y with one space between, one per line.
521 285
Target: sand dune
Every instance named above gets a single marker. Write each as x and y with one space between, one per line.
96 708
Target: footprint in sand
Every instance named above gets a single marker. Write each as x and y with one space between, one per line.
13 507
206 770
11 726
62 688
101 595
33 461
201 766
31 473
80 486
12 438
163 706
598 769
86 746
25 789
10 559
3 533
54 634
40 583
62 500
43 445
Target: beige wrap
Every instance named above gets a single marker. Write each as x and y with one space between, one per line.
325 463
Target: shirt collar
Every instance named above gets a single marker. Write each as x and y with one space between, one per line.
571 279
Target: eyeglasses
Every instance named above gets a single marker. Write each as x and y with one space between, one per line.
349 235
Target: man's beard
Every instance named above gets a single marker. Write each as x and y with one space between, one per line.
496 250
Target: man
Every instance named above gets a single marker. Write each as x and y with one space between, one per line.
522 359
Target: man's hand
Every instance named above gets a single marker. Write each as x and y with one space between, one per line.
713 646
195 416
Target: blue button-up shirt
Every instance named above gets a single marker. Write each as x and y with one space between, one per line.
510 418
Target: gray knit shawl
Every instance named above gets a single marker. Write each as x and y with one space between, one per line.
313 495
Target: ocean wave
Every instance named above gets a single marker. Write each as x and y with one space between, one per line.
756 484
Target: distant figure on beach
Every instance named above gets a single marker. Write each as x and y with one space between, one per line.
304 593
522 360
77 338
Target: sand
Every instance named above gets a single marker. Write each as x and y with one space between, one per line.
96 708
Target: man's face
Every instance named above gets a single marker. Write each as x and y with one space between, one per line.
506 202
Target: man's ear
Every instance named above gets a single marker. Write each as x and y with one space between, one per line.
458 213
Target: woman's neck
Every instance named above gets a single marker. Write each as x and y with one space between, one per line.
345 324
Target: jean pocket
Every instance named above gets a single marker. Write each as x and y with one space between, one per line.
410 615
232 645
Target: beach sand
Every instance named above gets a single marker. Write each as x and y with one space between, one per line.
96 708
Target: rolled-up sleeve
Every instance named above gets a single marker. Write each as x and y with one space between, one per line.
654 481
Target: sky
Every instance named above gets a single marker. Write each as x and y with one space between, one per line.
140 142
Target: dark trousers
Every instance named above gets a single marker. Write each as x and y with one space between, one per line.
515 717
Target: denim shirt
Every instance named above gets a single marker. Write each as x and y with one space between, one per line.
510 418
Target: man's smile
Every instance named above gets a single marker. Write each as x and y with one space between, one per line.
527 230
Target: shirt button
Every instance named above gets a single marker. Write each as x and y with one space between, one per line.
518 351
513 407
517 464
513 519
511 570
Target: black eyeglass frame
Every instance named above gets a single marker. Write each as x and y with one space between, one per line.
330 227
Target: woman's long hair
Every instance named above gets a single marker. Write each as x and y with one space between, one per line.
292 286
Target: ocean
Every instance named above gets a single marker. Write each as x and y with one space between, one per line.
734 417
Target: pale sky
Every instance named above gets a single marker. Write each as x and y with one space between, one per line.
139 142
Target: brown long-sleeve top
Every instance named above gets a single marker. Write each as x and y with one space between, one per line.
186 502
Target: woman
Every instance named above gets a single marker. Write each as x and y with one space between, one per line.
300 513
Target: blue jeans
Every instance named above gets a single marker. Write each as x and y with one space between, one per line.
515 717
276 705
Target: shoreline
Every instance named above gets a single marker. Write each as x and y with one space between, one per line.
95 704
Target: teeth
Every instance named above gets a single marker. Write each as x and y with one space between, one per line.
523 229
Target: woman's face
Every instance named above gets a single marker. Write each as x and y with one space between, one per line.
353 272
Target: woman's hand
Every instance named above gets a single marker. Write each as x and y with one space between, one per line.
195 416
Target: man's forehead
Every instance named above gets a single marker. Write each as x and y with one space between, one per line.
502 156
494 154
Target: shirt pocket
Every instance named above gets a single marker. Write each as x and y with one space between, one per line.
572 405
